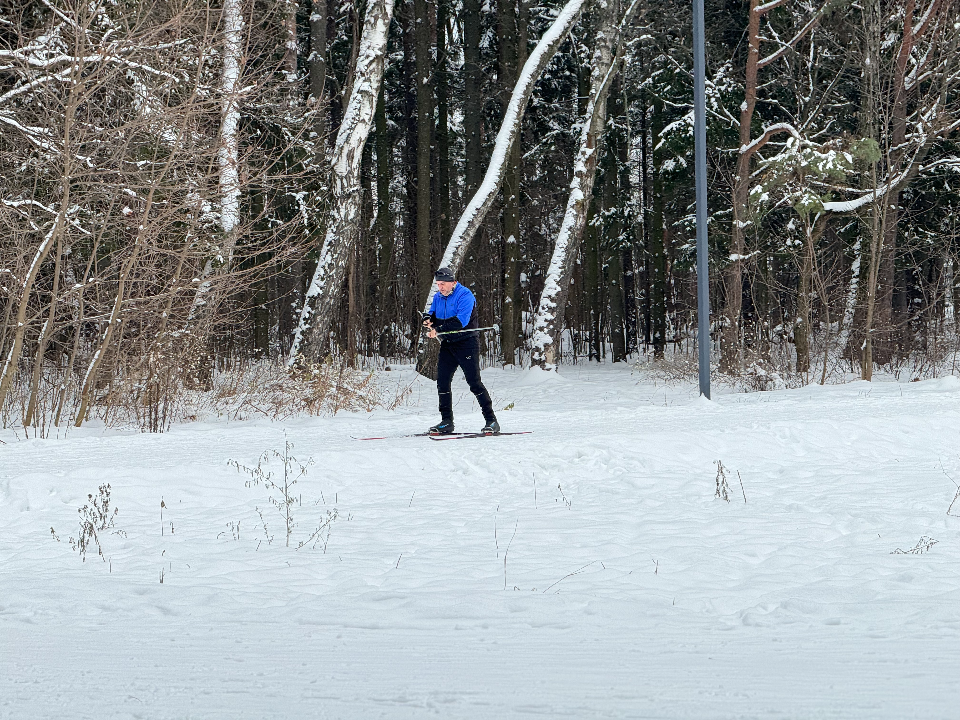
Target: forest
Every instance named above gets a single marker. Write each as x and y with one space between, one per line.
200 194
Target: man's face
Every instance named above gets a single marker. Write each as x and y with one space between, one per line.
446 288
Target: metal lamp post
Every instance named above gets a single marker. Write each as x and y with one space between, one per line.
700 150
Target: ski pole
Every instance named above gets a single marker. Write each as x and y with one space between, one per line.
454 332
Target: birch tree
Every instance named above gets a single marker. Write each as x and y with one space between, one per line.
476 210
228 153
606 60
512 44
323 295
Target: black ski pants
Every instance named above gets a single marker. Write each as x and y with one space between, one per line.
463 354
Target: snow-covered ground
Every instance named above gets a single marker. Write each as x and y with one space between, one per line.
586 570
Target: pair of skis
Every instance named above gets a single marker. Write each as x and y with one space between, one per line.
448 436
468 436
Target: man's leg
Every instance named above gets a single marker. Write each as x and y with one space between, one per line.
468 357
446 367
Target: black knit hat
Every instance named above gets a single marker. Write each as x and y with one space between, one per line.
444 274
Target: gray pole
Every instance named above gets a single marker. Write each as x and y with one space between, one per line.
700 150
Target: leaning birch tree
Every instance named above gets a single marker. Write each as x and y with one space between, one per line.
481 202
606 63
323 295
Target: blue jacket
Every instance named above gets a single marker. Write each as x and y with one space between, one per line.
454 312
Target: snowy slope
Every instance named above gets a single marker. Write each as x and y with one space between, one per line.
586 570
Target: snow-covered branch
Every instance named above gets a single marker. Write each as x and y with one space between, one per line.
772 130
848 206
923 23
767 7
793 41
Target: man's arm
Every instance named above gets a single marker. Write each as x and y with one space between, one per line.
449 325
465 304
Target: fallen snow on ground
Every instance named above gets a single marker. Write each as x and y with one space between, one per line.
586 570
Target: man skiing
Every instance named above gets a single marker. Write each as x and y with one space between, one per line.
451 311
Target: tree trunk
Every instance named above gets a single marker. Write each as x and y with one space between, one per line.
612 241
730 360
801 329
317 62
472 101
508 40
384 222
592 286
352 315
618 345
733 271
626 197
646 193
74 98
546 326
228 155
876 245
476 210
45 334
273 316
850 304
883 341
413 268
290 47
424 94
323 295
442 154
77 336
881 345
658 253
803 326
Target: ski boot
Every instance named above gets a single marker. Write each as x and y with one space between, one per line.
491 428
444 427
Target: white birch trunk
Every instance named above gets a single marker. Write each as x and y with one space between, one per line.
950 308
323 295
476 210
850 306
228 153
228 156
546 324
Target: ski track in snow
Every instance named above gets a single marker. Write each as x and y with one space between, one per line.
631 591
